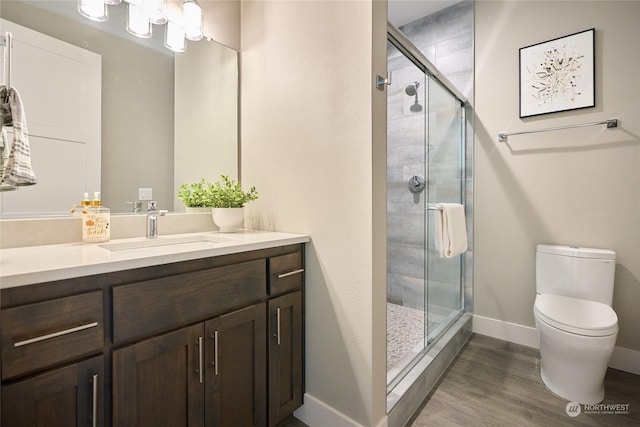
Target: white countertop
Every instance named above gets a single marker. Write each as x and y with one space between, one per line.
37 264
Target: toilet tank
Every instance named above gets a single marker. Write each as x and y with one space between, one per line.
584 273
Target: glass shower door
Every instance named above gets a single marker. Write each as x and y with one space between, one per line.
425 166
445 170
406 216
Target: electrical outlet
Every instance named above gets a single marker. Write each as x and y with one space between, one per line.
145 194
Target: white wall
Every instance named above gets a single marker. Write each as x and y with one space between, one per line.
577 187
307 146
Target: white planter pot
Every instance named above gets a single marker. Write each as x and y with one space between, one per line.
228 220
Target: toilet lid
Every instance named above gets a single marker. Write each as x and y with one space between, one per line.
576 316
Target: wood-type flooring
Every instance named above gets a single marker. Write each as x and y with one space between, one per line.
494 383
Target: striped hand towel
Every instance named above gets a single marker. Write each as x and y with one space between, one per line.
18 169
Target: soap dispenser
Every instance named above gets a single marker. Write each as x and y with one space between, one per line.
96 221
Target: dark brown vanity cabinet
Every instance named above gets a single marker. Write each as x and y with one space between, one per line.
209 342
285 356
210 373
285 336
67 396
49 344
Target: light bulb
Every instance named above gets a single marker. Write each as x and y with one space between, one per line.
192 13
137 23
96 10
155 11
174 37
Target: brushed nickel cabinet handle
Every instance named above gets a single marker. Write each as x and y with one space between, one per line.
94 408
200 373
55 334
278 324
291 273
215 352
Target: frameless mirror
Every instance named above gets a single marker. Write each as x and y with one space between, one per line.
163 118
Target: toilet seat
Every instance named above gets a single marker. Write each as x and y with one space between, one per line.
577 316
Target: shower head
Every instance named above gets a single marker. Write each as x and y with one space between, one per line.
412 90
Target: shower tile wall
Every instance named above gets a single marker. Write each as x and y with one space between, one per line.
446 39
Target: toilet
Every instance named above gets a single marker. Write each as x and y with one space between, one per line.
574 319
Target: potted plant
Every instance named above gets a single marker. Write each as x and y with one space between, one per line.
228 200
196 196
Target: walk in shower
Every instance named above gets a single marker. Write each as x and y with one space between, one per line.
426 165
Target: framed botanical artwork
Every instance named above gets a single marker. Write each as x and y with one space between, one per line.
558 75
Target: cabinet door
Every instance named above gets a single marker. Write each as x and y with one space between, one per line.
69 396
160 381
285 356
236 380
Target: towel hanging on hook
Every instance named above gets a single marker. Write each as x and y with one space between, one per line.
17 171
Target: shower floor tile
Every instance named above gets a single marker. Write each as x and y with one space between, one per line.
406 333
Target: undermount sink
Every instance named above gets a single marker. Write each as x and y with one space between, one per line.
162 241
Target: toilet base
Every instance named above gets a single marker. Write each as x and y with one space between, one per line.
573 366
590 398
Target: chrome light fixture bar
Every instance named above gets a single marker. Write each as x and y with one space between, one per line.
184 23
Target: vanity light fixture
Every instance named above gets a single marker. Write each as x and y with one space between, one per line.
182 23
155 10
137 23
174 37
96 10
192 13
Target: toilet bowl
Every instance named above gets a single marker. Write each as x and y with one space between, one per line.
577 338
575 321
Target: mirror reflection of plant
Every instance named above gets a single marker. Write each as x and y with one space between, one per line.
228 193
196 194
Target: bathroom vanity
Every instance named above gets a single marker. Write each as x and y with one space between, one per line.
185 334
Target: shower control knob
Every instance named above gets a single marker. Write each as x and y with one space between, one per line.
416 184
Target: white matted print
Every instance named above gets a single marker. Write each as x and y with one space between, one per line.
558 75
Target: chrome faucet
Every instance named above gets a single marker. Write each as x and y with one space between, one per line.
152 219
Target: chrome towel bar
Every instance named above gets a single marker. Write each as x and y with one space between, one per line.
611 123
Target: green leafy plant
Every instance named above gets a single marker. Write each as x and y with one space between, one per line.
227 193
196 194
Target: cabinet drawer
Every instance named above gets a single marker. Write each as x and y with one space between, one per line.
285 273
39 335
145 308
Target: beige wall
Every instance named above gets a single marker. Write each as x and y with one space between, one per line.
577 187
222 21
206 127
307 98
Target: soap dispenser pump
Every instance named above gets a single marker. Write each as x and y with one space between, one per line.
96 221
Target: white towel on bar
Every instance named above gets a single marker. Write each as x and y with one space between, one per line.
18 169
451 229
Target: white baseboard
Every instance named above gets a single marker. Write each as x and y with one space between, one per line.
512 332
622 359
626 360
316 413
